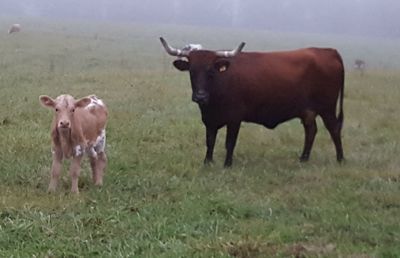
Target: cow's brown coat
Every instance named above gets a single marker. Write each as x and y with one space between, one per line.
268 89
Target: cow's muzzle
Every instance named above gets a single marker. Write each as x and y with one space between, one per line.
201 98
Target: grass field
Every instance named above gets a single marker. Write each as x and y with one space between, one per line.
158 199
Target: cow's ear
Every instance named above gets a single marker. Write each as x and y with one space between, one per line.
83 102
181 65
221 65
46 101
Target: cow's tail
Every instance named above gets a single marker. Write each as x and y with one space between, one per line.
341 93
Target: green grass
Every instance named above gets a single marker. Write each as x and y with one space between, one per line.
158 199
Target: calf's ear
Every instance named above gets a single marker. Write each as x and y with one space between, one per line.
46 101
181 65
221 65
83 102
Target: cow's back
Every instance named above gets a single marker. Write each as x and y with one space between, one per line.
270 88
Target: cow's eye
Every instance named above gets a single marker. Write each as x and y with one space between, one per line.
210 74
57 109
73 110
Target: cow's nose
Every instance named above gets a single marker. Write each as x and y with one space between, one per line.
200 97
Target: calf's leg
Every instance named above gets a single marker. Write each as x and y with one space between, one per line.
74 171
93 165
101 164
55 170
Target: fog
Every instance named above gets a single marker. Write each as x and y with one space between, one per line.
373 18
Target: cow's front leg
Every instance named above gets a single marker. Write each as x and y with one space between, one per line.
211 135
74 171
232 131
55 170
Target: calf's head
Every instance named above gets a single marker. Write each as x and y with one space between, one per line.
64 107
204 67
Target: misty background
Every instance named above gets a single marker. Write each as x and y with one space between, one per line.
372 18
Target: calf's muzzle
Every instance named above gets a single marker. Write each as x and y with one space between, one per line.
64 124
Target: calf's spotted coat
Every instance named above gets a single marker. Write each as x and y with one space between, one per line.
78 128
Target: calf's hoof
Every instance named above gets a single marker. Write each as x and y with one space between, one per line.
51 188
98 183
74 191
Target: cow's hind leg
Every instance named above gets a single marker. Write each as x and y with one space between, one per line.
232 131
310 130
334 127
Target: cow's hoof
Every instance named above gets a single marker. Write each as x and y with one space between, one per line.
208 162
228 164
341 160
304 158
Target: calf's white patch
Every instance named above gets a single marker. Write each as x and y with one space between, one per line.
100 143
93 148
78 151
94 102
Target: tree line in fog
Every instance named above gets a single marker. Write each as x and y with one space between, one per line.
358 17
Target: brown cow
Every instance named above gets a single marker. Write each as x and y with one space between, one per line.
78 128
265 88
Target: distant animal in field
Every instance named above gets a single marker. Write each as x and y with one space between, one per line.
268 88
360 65
191 47
78 128
14 28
